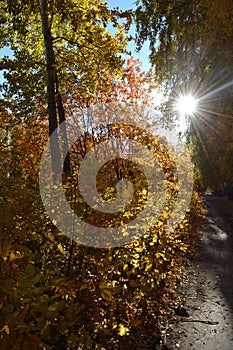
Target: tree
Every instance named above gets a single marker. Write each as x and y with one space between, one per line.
187 38
212 154
191 48
63 43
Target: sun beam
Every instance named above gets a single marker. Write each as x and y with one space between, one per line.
186 105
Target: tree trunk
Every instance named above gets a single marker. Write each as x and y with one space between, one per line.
51 89
63 131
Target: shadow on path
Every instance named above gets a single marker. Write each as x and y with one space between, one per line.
217 247
209 289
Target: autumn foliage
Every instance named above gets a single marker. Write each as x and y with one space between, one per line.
57 293
66 61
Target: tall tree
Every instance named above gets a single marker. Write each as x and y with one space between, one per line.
65 42
51 86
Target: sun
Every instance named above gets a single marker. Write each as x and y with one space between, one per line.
186 105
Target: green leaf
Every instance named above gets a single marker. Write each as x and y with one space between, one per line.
36 279
30 270
103 284
23 282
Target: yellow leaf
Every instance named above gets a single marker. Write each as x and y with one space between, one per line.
183 224
122 330
6 329
60 247
111 189
165 215
13 256
127 214
148 267
125 233
51 236
160 223
183 248
144 192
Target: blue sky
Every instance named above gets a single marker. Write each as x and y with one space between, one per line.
144 52
122 4
3 52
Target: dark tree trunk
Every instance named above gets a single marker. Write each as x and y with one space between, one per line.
51 89
63 130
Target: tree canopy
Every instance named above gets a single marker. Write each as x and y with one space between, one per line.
54 45
187 38
191 45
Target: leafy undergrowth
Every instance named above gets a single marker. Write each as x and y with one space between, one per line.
58 294
55 292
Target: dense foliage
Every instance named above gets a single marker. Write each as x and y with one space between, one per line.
59 294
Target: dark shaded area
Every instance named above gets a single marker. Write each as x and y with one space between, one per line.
218 238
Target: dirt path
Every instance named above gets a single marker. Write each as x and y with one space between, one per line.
208 290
